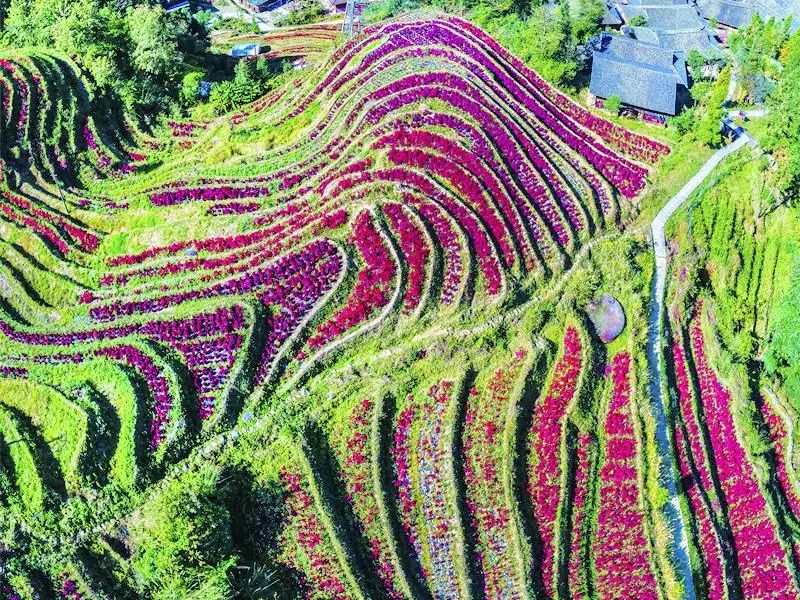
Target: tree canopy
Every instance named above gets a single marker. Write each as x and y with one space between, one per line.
783 123
137 52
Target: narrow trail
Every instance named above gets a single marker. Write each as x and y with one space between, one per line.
655 359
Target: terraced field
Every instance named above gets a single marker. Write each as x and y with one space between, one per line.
363 296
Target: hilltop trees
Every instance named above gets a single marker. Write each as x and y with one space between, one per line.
755 49
136 54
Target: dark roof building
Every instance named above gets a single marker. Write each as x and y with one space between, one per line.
612 18
725 12
665 17
655 2
644 76
256 5
682 41
671 26
738 13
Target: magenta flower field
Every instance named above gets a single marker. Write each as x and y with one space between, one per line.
317 323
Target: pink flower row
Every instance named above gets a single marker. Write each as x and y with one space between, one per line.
373 286
489 514
761 557
415 250
544 476
437 515
270 276
711 550
621 547
353 451
307 549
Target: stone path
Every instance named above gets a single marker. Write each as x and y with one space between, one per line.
680 549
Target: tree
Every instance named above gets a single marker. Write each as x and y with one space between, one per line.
783 124
543 40
638 21
783 353
587 18
696 62
190 88
3 12
155 42
709 131
19 31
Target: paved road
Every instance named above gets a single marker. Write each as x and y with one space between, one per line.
680 549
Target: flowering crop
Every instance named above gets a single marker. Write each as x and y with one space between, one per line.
421 481
9 594
708 541
450 247
483 465
440 524
156 382
578 542
354 453
371 291
306 544
402 459
416 251
621 548
761 558
69 589
544 475
778 436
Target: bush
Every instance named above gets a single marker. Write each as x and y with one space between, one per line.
246 86
190 88
307 13
183 542
612 104
638 21
709 130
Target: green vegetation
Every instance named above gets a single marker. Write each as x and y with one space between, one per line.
137 54
709 131
782 135
612 104
183 540
305 13
329 336
545 36
756 49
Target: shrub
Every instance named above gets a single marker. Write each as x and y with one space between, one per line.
612 104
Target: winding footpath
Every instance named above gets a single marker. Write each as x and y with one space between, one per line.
655 357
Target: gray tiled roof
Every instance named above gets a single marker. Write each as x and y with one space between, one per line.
642 75
733 14
684 41
671 26
654 2
737 13
780 9
612 17
668 18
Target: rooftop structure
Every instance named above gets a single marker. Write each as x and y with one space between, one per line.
671 25
644 76
737 13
